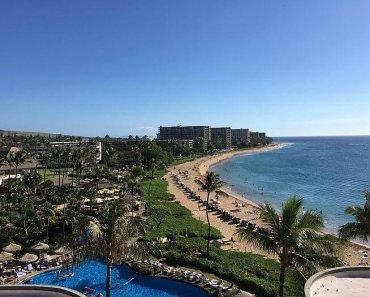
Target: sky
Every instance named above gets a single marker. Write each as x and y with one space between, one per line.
120 67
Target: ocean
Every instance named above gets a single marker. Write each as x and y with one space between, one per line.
328 173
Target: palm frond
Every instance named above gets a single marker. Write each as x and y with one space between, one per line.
260 239
354 230
289 215
270 217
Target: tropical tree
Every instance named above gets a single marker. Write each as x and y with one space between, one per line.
89 192
18 158
57 153
25 208
211 183
45 162
32 180
295 237
132 183
2 160
48 213
14 159
110 155
154 164
360 228
114 235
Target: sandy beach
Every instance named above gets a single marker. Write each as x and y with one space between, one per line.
239 206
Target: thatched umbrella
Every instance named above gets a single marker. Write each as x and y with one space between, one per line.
5 256
28 258
63 250
40 246
10 248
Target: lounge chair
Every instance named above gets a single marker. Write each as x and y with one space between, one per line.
214 284
227 288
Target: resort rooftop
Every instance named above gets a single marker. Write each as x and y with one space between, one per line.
340 282
40 291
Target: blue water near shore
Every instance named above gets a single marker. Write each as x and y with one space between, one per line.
329 173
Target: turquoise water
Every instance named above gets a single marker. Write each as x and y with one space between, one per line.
125 282
329 173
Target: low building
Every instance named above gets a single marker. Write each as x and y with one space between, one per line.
221 137
76 143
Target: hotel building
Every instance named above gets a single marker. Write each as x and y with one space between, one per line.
240 136
200 136
221 137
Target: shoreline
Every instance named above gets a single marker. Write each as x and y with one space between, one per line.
211 162
239 205
228 190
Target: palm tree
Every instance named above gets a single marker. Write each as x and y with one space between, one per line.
18 158
32 180
295 237
14 159
57 156
132 183
116 234
212 183
2 160
154 164
45 162
110 155
49 215
360 228
89 192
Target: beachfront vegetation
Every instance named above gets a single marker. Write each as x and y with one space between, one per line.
211 183
295 237
360 228
188 248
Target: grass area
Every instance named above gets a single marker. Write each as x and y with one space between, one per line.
178 219
52 173
186 159
249 272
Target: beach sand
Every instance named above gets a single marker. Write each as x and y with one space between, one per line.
239 206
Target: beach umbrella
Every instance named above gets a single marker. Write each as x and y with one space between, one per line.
40 246
12 248
63 250
5 256
28 258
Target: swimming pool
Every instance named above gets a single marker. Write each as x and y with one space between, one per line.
125 282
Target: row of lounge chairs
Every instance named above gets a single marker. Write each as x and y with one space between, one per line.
223 214
188 275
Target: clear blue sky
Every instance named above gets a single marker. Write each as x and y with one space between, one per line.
120 67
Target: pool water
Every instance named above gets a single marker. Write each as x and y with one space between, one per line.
125 282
